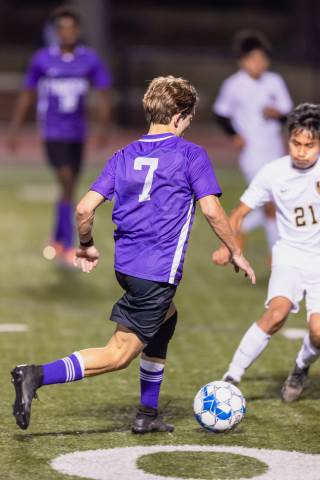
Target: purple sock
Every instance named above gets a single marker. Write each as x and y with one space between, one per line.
64 227
151 375
68 369
57 232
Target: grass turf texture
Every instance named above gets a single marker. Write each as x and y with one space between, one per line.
67 311
204 465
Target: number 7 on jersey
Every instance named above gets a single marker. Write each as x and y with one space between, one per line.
152 163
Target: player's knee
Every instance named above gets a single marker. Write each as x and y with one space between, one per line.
158 346
315 336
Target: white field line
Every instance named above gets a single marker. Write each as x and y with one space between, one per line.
13 327
294 333
121 463
38 193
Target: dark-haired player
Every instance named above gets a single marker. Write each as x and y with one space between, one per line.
155 182
61 77
250 107
293 184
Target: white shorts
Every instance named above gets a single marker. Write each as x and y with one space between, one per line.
294 284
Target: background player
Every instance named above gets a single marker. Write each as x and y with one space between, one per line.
155 182
250 107
61 76
293 184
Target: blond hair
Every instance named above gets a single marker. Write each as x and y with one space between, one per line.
167 96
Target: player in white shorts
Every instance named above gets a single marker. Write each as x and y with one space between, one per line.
293 184
251 106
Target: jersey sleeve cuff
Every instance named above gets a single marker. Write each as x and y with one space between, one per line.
248 201
106 196
216 193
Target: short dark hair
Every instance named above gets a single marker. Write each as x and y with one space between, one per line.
305 116
247 40
167 96
65 12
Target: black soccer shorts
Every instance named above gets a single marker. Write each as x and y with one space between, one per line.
62 153
143 307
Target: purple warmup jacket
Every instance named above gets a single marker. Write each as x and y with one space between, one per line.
62 81
155 183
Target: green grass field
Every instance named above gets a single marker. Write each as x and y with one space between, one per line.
67 311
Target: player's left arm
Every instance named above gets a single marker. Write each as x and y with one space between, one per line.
218 220
101 80
222 255
103 113
87 255
283 102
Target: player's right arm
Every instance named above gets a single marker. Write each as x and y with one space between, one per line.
218 221
87 255
25 102
223 108
26 98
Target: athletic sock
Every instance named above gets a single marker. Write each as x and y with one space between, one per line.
64 225
68 369
251 346
271 230
57 231
307 354
151 375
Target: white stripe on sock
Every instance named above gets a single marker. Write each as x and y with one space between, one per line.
151 380
81 362
151 366
67 369
151 377
73 373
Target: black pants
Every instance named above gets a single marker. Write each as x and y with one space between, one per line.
62 153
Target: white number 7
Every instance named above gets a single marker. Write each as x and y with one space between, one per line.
152 163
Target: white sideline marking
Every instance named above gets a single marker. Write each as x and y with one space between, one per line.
38 193
13 327
294 333
120 463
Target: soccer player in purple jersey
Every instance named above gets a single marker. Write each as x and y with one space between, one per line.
61 77
155 183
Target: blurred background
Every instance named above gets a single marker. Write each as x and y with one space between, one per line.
142 39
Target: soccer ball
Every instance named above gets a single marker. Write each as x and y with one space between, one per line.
219 406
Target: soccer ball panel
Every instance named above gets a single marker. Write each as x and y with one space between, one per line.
197 404
236 402
223 394
208 419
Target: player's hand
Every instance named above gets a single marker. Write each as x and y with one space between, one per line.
221 256
271 112
241 263
87 258
238 142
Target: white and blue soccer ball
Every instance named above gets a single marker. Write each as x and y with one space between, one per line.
219 406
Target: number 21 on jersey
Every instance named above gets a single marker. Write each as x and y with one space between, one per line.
152 163
301 215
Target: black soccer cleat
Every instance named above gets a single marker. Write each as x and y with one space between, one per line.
295 384
227 378
26 380
149 421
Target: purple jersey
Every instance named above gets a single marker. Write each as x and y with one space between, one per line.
155 182
62 81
